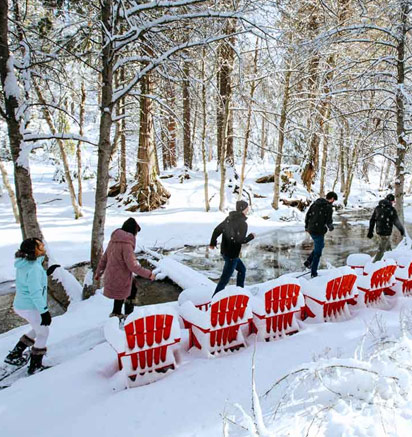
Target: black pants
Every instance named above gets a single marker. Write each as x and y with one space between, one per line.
128 305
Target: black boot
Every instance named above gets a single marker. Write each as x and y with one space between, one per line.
16 357
36 358
128 306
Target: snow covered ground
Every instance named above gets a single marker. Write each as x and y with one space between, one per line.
83 396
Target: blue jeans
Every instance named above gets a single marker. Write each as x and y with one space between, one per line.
231 264
314 257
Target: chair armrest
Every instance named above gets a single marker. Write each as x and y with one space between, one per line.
194 316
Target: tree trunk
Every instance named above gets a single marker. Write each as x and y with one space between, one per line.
281 139
224 86
324 153
104 144
187 144
10 191
310 168
78 149
149 193
253 87
123 162
204 113
170 151
24 192
400 111
342 161
351 171
222 162
263 138
69 180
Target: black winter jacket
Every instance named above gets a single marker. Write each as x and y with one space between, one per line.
233 230
385 216
319 217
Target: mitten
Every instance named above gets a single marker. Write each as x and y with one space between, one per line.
52 268
45 319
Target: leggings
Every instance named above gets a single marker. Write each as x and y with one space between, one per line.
128 308
38 333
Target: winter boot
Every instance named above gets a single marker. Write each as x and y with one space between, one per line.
16 357
128 306
119 316
36 358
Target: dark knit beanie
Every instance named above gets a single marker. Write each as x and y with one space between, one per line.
241 205
131 226
390 197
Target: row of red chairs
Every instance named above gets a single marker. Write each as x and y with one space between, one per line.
147 347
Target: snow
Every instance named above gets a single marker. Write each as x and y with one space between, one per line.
11 87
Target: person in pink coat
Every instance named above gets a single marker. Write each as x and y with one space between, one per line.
118 264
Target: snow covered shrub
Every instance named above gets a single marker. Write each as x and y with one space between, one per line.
366 395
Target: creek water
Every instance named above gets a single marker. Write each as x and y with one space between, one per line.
284 250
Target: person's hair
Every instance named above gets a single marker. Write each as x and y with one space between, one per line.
131 226
28 249
331 195
390 197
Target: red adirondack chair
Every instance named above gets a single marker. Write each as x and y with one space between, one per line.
378 279
276 307
223 326
145 349
327 296
403 275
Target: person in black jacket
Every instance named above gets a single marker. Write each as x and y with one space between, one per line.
233 230
317 222
385 216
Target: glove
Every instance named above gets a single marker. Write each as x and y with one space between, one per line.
45 319
370 234
331 228
51 269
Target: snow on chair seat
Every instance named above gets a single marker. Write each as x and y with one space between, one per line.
200 296
358 261
378 279
276 306
327 296
220 328
145 347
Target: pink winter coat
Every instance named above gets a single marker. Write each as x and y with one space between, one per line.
118 264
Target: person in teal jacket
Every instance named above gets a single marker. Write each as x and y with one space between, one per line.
30 303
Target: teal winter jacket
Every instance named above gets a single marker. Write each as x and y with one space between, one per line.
31 285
